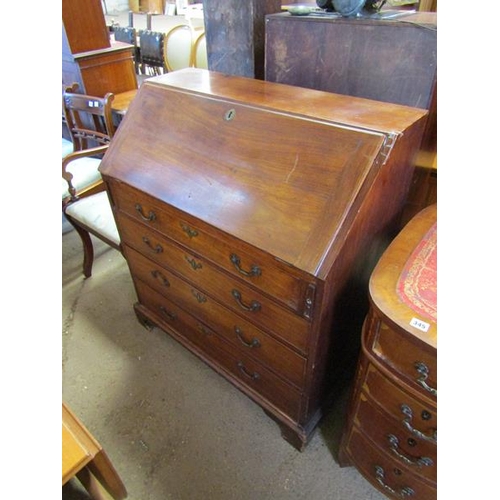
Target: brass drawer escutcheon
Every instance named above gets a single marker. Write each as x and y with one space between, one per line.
194 265
161 277
192 233
169 314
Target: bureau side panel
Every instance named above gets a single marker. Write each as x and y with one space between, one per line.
336 333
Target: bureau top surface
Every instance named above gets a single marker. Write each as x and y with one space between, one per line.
403 285
282 168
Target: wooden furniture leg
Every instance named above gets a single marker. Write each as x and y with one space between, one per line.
83 457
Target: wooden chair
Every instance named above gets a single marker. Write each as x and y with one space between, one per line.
151 47
83 457
200 58
67 141
178 48
87 207
128 35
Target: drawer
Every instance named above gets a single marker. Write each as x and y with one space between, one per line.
232 293
249 375
417 417
239 332
274 277
416 454
386 473
415 362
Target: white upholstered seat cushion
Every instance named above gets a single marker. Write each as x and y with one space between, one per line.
85 173
67 147
95 212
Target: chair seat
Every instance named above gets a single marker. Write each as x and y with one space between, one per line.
85 173
95 212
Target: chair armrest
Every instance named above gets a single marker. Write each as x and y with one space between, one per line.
68 176
82 154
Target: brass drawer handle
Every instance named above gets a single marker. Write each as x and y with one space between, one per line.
407 459
379 476
253 376
252 343
157 249
423 370
194 265
169 314
254 270
148 218
159 276
253 307
408 413
192 233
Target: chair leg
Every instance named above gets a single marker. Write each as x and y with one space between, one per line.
88 249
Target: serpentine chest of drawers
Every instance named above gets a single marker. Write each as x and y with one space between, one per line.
391 432
245 209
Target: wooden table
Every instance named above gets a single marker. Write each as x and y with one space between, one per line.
122 101
83 456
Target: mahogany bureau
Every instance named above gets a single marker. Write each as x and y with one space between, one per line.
391 431
246 210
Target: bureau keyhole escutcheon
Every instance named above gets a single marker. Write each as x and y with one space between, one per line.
229 114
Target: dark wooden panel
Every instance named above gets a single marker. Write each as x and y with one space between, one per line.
390 61
235 35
